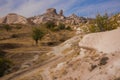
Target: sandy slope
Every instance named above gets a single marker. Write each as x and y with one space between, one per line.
107 42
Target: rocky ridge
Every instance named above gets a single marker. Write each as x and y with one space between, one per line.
52 15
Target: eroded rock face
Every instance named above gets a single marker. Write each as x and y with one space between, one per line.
13 18
52 15
75 20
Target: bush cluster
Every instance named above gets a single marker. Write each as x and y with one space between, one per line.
103 23
50 25
53 27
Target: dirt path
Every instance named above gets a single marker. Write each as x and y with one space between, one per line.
29 71
45 66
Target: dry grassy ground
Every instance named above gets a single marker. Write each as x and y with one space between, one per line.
20 48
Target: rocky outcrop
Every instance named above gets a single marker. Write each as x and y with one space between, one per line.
52 15
106 42
75 20
61 13
51 11
13 18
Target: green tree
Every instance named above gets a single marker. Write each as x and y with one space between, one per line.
7 27
37 34
69 28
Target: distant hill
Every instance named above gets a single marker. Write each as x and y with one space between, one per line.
50 15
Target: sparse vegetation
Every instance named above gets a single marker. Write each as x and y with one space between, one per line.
103 23
61 26
18 27
14 36
68 28
53 27
50 25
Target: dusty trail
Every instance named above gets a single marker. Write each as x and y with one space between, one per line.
53 61
19 74
58 58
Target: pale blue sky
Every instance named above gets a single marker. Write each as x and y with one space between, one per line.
86 8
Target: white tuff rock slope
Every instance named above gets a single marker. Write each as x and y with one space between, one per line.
107 42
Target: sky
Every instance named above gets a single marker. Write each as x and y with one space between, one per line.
85 8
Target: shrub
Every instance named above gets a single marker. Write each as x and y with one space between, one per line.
85 29
93 28
68 28
18 27
61 26
50 25
103 23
